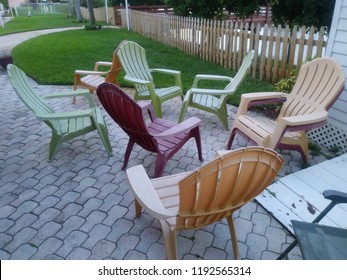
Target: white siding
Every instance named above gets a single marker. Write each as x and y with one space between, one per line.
337 49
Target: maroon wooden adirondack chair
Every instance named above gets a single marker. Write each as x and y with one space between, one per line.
160 136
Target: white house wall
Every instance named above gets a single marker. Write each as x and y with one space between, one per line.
337 49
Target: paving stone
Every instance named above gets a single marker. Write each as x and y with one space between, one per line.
111 200
213 253
79 254
102 250
202 241
135 255
5 239
97 233
4 255
277 238
126 243
6 211
115 213
260 222
24 252
95 217
120 227
148 236
48 215
23 236
70 225
25 207
49 246
66 199
89 206
24 221
256 245
46 231
72 241
48 202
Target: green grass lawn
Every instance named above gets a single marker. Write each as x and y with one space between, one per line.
53 58
37 22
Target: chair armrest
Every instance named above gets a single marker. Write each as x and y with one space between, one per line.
102 63
211 91
78 92
145 193
184 126
201 77
305 119
147 105
66 115
296 123
89 72
166 71
251 99
335 196
136 81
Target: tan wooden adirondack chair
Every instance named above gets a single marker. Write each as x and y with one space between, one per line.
134 62
215 191
319 84
92 79
65 125
215 100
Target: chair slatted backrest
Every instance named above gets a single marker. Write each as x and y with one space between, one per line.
133 59
225 184
29 96
318 85
127 114
242 72
115 69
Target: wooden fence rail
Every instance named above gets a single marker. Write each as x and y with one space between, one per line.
279 49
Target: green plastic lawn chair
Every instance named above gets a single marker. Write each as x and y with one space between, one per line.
134 63
64 125
215 100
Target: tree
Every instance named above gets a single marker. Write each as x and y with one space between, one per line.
79 17
91 12
202 8
244 9
303 12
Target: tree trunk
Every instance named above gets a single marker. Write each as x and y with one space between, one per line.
91 12
78 11
71 13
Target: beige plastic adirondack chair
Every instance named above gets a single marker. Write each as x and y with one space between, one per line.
65 125
319 84
215 191
215 100
92 79
134 62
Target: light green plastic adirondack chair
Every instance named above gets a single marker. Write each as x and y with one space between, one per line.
134 63
215 100
64 125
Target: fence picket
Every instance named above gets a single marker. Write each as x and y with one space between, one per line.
226 43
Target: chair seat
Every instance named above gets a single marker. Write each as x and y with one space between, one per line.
260 129
206 100
160 125
162 93
74 124
93 80
320 242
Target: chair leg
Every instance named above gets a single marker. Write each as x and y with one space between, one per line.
138 208
160 165
55 141
127 153
197 137
103 132
223 116
231 139
233 237
183 110
170 240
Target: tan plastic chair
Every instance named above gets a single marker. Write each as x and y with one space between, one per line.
319 84
92 79
215 191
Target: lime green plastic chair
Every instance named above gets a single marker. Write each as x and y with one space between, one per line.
215 100
134 62
64 125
